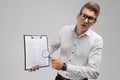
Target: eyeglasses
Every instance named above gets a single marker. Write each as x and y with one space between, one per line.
85 16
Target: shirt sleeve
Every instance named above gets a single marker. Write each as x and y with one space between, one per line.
91 70
55 45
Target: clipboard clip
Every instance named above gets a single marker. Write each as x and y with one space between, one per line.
36 37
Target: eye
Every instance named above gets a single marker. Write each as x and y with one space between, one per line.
85 16
90 18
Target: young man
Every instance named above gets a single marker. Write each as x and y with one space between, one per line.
80 47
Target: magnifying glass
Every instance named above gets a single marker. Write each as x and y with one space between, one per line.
45 54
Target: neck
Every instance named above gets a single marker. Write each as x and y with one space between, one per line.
79 31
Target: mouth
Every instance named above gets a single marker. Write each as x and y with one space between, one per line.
84 25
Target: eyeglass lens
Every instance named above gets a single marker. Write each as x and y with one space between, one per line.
85 16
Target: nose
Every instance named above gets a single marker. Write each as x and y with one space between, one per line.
86 20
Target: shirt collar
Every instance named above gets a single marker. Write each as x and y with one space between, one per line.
85 33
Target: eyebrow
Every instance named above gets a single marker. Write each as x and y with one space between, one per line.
88 15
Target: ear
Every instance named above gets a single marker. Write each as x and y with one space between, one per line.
78 16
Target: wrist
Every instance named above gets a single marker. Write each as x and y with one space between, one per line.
64 67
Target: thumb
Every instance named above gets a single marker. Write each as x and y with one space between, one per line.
53 59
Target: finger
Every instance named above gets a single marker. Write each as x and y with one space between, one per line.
37 67
53 66
53 59
33 68
29 70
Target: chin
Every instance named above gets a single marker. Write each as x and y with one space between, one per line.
84 29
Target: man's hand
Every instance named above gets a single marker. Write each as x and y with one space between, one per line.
56 63
34 68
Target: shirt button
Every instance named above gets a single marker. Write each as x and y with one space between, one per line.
76 37
70 60
72 52
74 44
66 74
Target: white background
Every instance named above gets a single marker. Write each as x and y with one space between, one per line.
35 17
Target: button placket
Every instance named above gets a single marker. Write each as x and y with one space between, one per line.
73 50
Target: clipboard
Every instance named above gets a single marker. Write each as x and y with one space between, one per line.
36 51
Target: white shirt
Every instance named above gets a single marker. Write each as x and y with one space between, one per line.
81 53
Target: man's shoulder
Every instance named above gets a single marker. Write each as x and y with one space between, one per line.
96 35
69 27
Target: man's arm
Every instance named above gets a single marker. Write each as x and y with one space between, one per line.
91 70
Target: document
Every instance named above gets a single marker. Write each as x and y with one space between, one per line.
36 51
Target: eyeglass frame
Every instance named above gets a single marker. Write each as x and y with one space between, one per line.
90 18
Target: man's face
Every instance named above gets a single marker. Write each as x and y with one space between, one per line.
86 19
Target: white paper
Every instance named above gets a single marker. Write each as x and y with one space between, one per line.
35 46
